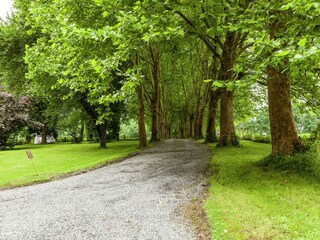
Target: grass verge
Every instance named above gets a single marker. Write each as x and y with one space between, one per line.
246 202
56 160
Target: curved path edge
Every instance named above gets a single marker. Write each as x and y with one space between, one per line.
138 198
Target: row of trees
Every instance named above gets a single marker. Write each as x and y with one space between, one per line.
176 62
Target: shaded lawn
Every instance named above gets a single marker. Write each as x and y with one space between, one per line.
53 160
246 202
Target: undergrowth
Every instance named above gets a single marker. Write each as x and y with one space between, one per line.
305 164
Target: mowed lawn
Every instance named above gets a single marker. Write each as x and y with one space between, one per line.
53 160
246 202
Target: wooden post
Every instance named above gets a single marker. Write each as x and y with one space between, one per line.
30 157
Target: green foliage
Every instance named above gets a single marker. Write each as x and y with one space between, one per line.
257 138
73 123
88 48
129 130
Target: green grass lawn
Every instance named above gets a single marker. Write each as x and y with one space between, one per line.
54 160
246 202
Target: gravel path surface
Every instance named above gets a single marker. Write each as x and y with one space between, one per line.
139 198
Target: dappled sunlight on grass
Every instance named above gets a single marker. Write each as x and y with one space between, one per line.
246 202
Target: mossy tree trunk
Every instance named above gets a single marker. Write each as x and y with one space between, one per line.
141 121
229 56
44 135
155 101
284 136
102 133
211 133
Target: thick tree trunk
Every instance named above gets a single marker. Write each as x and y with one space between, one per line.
229 55
155 102
155 118
102 133
284 135
227 131
198 124
141 121
44 135
211 134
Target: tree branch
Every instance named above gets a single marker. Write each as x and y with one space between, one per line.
202 37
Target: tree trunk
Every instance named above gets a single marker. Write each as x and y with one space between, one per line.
198 124
183 125
284 135
102 133
81 137
155 102
141 122
44 135
227 131
28 139
100 128
191 125
229 55
211 134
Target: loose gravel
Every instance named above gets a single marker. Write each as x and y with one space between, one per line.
139 198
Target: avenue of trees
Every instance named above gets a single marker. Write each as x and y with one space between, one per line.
188 69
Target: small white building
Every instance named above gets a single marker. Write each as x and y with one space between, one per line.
38 139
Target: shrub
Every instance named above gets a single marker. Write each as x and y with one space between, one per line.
307 163
257 138
262 139
248 137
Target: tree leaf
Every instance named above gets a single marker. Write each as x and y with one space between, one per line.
302 42
282 53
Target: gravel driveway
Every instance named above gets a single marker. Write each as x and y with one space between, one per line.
139 198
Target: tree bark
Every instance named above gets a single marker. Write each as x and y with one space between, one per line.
155 102
191 125
141 121
44 135
198 124
227 131
211 134
102 133
183 124
229 55
284 135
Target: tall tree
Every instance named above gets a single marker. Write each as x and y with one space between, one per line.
217 25
284 134
15 114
